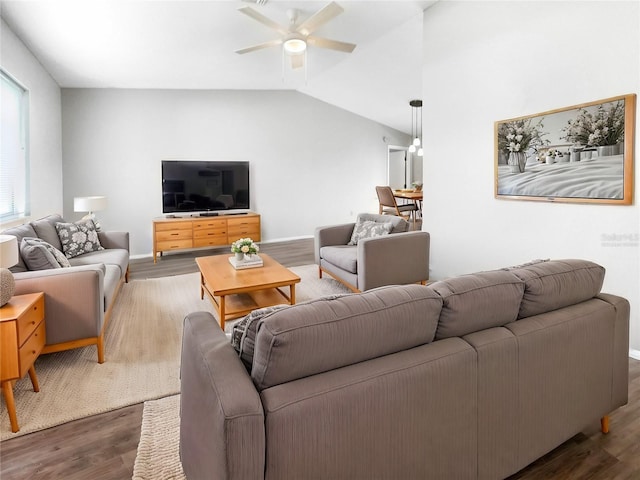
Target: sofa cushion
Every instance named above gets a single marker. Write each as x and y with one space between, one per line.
40 255
45 228
78 238
399 224
108 256
478 301
558 283
243 335
342 256
325 334
20 232
369 229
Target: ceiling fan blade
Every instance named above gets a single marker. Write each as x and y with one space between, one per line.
332 44
260 46
297 61
319 18
263 20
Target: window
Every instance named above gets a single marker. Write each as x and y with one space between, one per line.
14 155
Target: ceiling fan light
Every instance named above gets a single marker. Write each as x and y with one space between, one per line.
295 46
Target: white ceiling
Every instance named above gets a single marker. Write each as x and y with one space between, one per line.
184 44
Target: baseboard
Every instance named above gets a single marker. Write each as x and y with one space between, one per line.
634 353
275 240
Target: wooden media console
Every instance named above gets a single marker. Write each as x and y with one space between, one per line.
184 233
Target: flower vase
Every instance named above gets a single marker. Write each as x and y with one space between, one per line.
239 256
549 160
517 161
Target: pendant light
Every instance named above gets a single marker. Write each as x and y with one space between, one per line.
416 127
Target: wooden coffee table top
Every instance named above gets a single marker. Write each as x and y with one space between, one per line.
222 279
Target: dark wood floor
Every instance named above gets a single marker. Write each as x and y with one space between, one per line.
103 447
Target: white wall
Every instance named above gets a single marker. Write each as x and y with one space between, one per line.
45 124
311 163
488 61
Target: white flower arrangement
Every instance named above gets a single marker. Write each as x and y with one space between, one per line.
245 245
597 128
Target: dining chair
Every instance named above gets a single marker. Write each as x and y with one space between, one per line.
389 206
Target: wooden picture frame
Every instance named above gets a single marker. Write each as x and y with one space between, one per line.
578 154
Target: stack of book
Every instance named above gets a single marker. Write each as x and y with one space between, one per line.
247 262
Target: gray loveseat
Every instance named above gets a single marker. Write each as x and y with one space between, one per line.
471 377
79 298
399 257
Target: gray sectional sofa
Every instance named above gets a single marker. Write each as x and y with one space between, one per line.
472 377
80 297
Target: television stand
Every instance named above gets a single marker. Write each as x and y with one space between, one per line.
171 234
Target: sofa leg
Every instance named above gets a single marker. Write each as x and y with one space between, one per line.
126 275
100 345
319 272
604 424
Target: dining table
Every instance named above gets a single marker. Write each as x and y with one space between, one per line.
411 195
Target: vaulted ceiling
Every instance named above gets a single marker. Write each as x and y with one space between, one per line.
191 45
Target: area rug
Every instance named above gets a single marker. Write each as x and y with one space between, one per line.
158 456
142 350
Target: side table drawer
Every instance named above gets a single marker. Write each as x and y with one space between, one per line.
32 348
28 322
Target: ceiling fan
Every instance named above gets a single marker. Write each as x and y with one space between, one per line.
297 36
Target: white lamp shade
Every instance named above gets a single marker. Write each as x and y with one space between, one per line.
89 204
8 251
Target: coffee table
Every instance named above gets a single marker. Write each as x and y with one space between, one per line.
235 293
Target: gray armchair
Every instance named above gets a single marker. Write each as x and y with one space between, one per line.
402 257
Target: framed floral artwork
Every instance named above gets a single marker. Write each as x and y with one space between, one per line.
579 154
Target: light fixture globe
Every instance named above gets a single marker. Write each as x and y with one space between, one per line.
416 127
295 45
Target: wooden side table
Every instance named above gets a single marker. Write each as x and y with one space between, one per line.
22 338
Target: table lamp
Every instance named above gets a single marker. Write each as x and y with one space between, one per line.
90 204
8 258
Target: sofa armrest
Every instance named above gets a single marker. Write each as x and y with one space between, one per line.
74 300
399 258
114 240
221 415
620 386
331 235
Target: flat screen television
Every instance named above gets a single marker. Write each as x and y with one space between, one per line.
204 186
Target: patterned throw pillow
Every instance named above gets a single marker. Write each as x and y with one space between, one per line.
78 238
243 335
368 229
40 255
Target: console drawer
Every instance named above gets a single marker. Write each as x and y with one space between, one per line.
173 235
211 232
164 226
210 241
175 244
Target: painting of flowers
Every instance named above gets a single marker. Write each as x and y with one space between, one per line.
579 154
